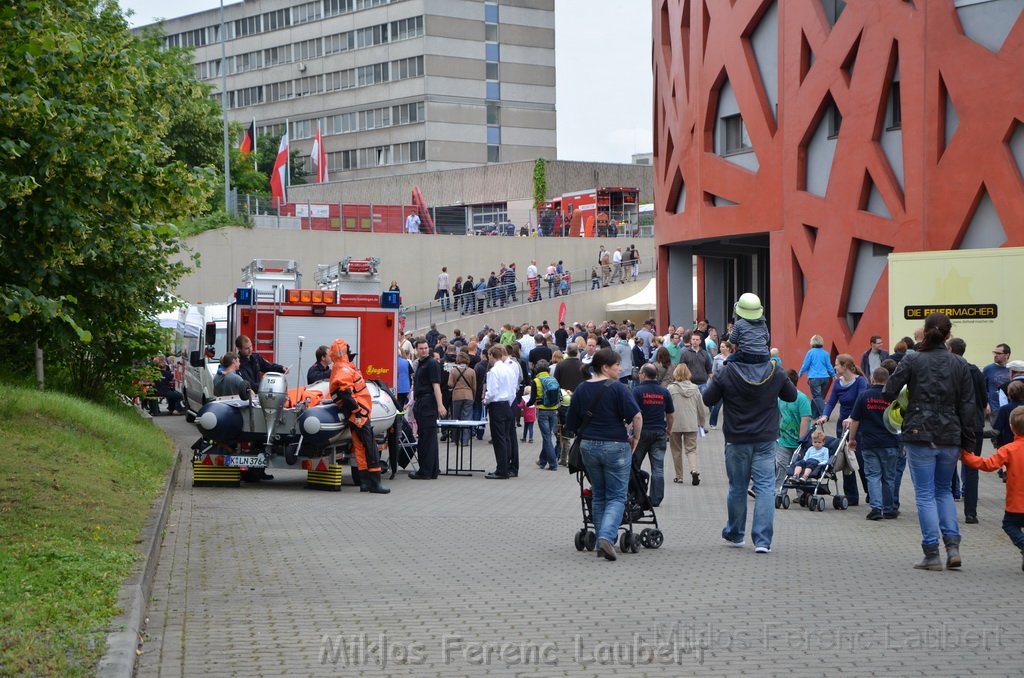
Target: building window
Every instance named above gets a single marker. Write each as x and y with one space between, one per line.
280 91
276 19
493 136
491 12
307 49
493 91
342 124
277 55
492 71
247 26
493 154
491 32
833 9
736 139
895 111
492 51
303 129
492 213
309 11
493 114
835 120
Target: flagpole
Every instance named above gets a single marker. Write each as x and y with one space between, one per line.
287 159
224 106
254 165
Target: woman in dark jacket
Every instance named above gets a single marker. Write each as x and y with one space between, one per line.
937 423
605 443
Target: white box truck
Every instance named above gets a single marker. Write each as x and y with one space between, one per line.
977 289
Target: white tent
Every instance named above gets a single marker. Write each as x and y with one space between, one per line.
644 300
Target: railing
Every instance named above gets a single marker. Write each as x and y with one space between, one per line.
422 315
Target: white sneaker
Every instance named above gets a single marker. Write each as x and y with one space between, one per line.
734 544
712 428
763 549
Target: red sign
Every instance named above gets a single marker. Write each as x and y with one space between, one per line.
561 312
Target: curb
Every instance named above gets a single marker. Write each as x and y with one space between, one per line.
123 642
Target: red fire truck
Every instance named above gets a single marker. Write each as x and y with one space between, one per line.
286 323
273 309
598 212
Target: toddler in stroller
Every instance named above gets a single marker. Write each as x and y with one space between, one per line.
811 477
815 459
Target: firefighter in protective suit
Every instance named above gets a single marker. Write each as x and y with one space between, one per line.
352 397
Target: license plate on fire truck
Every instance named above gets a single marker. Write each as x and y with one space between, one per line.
252 461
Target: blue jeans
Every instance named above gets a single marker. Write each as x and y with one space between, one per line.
901 466
818 387
478 415
462 410
880 469
713 417
744 461
1013 526
547 421
653 443
931 470
607 465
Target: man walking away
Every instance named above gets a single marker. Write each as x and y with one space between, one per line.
656 408
753 389
878 447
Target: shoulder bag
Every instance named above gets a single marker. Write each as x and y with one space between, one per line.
575 457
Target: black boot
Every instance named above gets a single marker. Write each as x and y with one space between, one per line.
952 551
931 561
373 483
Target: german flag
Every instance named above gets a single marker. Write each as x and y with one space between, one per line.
248 139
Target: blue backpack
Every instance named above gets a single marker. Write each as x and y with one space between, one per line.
551 392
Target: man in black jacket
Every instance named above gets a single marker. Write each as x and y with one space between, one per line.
252 366
321 369
752 390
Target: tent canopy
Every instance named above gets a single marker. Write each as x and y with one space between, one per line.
644 300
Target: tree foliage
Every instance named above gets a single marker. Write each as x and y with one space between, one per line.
540 183
92 177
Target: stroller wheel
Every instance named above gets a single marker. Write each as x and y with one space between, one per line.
846 503
579 541
837 503
778 501
655 539
625 541
821 504
591 540
803 499
634 544
785 501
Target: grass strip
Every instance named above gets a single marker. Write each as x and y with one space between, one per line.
77 481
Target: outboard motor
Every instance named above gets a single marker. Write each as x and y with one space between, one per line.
272 394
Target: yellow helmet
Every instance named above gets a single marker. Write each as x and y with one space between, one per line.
893 415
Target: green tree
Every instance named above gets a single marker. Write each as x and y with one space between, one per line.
90 183
266 156
540 183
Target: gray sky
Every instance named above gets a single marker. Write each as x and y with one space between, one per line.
603 60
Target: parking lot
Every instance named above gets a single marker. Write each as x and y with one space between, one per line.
465 576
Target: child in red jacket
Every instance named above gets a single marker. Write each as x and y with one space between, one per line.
1012 457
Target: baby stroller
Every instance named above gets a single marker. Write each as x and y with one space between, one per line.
812 491
638 511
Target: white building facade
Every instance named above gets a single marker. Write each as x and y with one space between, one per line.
395 86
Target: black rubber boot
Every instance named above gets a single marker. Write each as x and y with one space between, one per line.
373 483
952 551
931 561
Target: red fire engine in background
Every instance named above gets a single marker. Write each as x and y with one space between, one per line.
597 212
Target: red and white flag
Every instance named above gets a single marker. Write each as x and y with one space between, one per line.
279 176
319 156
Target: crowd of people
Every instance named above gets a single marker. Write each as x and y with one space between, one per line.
634 393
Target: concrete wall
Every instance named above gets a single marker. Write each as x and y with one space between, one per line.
413 260
498 182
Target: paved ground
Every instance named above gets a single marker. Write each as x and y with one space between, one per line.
467 576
